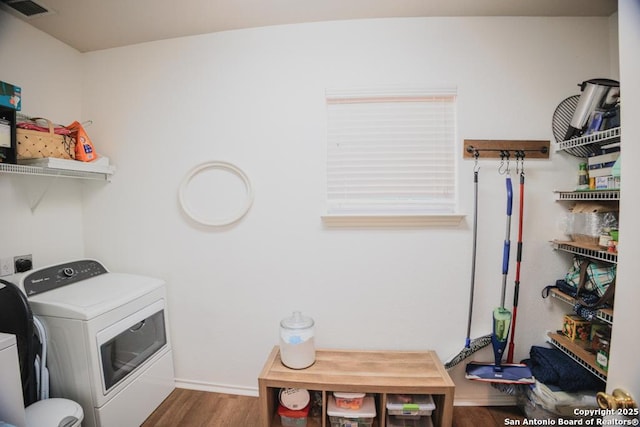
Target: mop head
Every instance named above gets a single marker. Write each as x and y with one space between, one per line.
509 373
468 350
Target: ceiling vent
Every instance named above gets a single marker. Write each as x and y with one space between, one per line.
26 8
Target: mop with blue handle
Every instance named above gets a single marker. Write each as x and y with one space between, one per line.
499 372
502 316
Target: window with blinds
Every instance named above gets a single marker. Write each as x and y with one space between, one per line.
391 152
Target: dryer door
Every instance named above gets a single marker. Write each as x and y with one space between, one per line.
126 345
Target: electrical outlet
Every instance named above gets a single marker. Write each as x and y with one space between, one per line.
6 266
23 263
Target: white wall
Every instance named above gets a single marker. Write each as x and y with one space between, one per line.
256 98
625 372
49 73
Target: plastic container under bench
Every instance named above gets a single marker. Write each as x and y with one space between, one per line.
349 400
293 418
410 404
410 410
343 417
409 421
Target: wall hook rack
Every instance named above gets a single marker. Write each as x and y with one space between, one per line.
496 149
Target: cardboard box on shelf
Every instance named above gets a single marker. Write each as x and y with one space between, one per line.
575 327
10 96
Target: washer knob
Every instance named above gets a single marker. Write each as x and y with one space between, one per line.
68 272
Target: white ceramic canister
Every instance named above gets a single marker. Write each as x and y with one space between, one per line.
297 348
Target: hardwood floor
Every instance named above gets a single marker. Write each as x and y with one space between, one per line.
191 408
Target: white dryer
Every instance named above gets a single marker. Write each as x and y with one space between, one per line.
108 339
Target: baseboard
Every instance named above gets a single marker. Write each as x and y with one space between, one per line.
217 388
505 400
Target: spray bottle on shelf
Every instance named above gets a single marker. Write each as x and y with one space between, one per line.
583 178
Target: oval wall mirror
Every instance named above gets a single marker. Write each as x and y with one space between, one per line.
216 193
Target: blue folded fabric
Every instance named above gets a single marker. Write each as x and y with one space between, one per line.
552 367
587 296
588 313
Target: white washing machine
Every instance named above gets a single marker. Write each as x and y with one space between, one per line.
108 342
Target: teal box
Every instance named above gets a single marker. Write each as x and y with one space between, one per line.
10 96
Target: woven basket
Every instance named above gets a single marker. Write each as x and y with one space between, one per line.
32 144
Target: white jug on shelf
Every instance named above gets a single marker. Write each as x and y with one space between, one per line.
297 347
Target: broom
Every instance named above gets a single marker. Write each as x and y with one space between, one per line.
471 346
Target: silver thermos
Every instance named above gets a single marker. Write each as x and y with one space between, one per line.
598 96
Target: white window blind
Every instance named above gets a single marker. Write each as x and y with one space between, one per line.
391 152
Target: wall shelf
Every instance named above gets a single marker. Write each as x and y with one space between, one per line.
585 250
586 145
604 314
43 171
53 172
578 350
601 195
578 353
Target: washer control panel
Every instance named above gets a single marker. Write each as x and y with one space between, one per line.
50 278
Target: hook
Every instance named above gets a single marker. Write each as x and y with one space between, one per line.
476 155
504 154
520 161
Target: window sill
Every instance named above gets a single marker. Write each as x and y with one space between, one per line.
447 220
